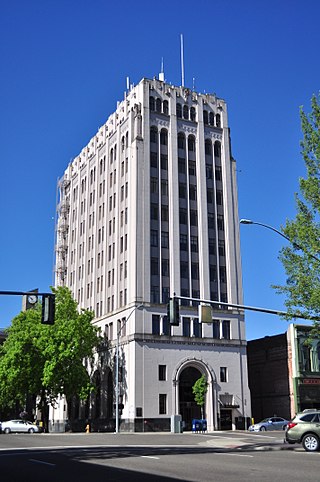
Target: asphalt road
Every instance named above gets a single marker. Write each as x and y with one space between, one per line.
224 456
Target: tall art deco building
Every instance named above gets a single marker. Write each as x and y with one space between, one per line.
148 209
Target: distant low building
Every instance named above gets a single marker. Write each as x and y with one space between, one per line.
284 373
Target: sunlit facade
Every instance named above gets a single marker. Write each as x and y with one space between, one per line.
146 210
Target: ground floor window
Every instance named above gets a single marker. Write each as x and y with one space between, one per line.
162 404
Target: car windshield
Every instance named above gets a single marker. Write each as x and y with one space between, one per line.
265 420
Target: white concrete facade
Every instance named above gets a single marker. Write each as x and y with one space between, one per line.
146 210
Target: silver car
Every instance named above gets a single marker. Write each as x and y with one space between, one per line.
19 426
271 423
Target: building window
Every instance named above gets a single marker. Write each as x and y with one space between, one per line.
154 237
219 198
165 107
179 110
183 217
186 326
194 271
164 239
223 274
182 190
164 137
156 324
165 294
196 328
184 271
183 242
192 193
151 103
155 294
165 326
181 141
162 404
164 213
165 267
218 173
164 187
192 168
193 218
221 248
138 411
305 358
216 329
162 372
158 105
154 211
164 162
226 330
223 374
153 134
220 223
193 114
194 244
154 266
208 147
186 112
153 159
217 150
181 165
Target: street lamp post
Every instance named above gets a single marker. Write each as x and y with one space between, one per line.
139 307
295 245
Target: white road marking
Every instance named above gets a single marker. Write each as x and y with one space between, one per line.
149 457
238 455
41 462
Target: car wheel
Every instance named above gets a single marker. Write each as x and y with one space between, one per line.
263 429
31 430
7 430
310 442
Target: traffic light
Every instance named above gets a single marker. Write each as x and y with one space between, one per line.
173 311
48 309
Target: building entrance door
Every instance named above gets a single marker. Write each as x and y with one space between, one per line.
225 419
188 408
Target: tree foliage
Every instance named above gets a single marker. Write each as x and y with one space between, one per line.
199 390
302 288
45 361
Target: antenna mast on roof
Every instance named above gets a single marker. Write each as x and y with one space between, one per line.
161 75
182 62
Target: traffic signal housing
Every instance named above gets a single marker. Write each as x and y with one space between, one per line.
48 309
173 311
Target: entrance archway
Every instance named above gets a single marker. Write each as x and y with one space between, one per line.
188 408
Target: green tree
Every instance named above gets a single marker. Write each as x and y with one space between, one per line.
302 288
199 390
44 361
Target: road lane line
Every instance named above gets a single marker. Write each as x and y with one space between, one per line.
149 457
41 462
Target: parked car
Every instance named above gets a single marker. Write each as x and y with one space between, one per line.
305 428
19 426
271 423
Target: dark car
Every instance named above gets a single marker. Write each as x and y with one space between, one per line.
305 428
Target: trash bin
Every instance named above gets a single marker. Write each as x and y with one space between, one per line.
204 425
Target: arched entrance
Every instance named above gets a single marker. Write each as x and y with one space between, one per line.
188 408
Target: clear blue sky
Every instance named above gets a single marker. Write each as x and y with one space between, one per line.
64 65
